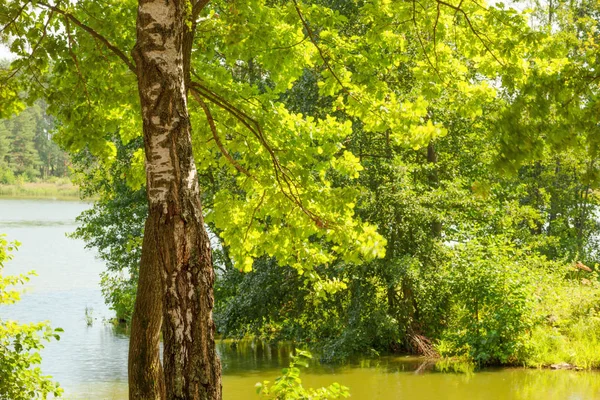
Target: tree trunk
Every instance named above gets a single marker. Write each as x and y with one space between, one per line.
145 371
436 225
176 254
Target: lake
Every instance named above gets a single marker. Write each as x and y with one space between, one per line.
90 362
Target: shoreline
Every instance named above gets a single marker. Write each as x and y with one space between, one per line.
40 190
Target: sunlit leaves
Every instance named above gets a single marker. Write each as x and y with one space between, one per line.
392 68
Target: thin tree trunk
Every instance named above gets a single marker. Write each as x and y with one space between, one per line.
179 242
436 225
145 371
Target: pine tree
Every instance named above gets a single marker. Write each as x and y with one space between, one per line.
4 143
23 157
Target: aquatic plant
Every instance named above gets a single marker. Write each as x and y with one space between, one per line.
89 316
289 385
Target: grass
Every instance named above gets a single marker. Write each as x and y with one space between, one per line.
578 345
58 189
571 332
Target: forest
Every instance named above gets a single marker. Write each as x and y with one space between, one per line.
27 152
361 178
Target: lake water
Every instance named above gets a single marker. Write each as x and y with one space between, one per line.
91 362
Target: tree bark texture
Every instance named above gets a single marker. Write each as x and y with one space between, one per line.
145 370
176 254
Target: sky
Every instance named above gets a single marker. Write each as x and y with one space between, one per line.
4 53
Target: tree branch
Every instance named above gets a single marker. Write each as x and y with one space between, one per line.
213 128
416 25
36 79
581 89
437 19
313 39
284 180
17 15
33 50
198 7
262 198
458 9
95 34
76 61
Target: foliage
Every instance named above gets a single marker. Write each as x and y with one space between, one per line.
20 378
492 304
7 176
289 385
398 176
293 201
501 237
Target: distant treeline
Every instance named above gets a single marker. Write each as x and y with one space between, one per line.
27 152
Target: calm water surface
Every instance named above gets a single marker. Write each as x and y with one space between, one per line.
91 362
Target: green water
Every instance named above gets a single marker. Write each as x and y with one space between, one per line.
91 362
389 378
405 378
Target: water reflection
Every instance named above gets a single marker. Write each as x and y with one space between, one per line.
406 378
249 357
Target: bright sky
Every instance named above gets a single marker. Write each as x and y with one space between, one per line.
4 53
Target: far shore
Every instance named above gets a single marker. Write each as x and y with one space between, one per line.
41 190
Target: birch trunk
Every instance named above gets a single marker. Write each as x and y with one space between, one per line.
176 274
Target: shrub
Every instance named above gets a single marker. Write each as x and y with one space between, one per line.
7 176
493 303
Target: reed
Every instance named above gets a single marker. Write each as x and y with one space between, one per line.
41 190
